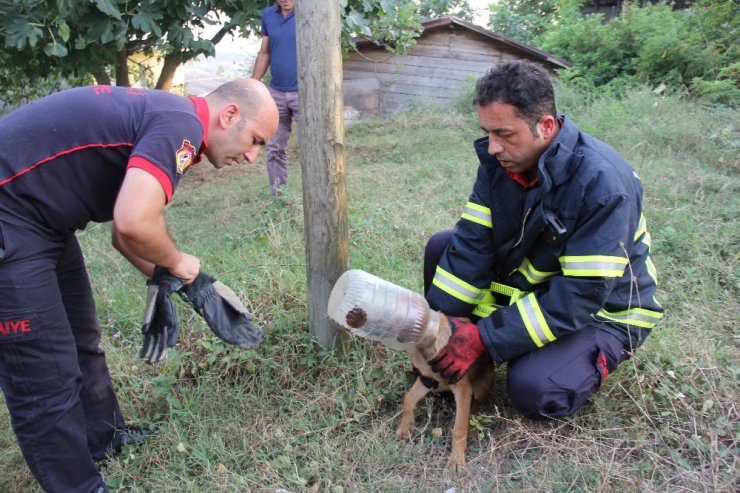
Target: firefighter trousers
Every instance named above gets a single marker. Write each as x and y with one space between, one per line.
53 373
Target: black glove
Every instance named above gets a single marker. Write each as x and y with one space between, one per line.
222 310
160 319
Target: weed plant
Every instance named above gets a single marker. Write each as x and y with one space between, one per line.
291 417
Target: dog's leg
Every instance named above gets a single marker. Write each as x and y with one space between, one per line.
412 398
483 384
463 392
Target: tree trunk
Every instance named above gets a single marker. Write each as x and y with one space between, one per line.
322 160
122 69
171 62
101 76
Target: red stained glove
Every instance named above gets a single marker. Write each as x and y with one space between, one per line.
462 350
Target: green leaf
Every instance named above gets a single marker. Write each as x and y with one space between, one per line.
109 8
20 33
145 22
355 19
80 42
108 33
64 31
55 49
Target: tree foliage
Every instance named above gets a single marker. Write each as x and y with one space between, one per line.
57 40
694 48
429 9
390 23
525 20
45 42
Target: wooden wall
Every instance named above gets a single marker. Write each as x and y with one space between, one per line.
433 72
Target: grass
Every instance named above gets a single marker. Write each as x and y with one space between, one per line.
290 417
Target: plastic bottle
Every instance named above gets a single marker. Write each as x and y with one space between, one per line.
375 309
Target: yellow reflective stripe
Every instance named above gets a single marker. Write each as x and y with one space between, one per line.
593 266
641 228
456 287
534 320
478 214
647 240
634 316
652 271
533 275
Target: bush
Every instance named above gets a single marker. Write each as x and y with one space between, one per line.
653 44
725 90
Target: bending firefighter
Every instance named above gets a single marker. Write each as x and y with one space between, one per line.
86 154
551 257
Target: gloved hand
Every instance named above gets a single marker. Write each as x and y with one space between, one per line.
462 350
222 310
160 319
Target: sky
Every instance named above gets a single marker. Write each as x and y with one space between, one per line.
482 7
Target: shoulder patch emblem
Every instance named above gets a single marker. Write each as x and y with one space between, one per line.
185 156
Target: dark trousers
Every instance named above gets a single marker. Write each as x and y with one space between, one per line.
53 374
556 380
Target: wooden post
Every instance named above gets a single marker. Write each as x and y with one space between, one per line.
318 44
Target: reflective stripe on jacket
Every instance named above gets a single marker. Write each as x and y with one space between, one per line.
540 262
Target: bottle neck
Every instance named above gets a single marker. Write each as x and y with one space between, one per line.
431 331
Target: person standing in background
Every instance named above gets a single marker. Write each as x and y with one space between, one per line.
278 52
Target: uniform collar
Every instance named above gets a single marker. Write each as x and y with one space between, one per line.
201 109
560 161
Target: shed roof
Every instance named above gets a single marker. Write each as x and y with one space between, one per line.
451 22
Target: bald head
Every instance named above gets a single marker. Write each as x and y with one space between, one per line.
243 116
250 95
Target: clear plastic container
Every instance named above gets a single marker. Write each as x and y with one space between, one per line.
375 309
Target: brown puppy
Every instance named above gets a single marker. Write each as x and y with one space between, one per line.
477 382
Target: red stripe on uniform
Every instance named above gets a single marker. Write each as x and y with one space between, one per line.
152 169
51 158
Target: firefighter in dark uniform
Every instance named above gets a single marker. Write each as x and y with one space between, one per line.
94 154
551 257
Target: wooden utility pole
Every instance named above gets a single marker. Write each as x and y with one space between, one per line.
318 41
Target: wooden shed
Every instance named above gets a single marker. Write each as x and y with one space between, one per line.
447 52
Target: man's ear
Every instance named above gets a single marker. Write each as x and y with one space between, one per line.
229 115
548 126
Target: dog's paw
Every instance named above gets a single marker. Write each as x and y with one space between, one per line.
403 433
456 462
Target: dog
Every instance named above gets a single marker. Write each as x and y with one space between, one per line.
477 383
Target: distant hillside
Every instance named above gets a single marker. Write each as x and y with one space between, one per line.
234 59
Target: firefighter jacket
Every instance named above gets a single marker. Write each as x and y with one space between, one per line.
537 263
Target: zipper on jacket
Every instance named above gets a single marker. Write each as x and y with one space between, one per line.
521 232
